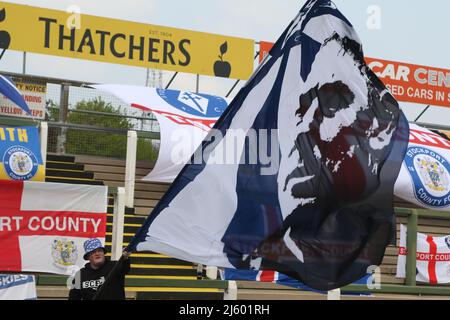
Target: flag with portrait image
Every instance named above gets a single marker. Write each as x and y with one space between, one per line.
9 90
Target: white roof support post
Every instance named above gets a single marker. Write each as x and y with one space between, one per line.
334 294
231 292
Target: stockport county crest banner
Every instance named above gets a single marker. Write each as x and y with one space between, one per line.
43 225
297 175
432 256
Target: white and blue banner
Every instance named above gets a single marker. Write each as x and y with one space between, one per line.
184 119
424 179
298 173
17 287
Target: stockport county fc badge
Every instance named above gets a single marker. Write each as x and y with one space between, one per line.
430 172
20 163
64 252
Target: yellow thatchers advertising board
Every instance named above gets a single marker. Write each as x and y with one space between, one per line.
52 32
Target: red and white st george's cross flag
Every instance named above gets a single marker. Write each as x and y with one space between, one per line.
433 258
43 225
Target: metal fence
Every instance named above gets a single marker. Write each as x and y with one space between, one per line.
86 121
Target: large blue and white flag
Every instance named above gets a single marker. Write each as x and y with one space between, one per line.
297 174
17 287
9 90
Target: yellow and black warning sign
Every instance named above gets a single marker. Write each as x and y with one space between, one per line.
46 31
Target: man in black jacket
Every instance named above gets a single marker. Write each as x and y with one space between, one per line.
92 276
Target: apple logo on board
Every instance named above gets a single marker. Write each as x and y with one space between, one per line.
5 38
222 68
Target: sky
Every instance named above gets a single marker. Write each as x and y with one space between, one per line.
411 31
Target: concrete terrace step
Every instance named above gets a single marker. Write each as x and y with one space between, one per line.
136 225
145 203
150 266
278 294
163 270
154 264
141 281
110 210
129 219
156 260
152 186
126 237
158 266
62 293
252 294
54 287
